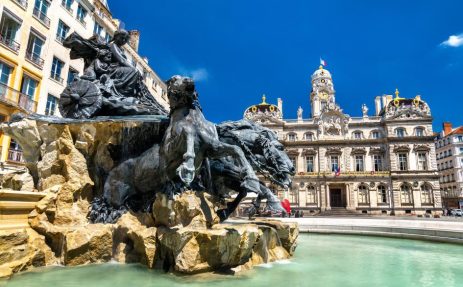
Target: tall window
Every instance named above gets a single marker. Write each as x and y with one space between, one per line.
62 32
67 4
81 14
334 162
460 138
56 68
34 46
403 161
426 194
419 132
293 194
406 194
309 163
293 160
422 161
363 195
378 162
382 194
41 7
5 72
311 195
9 28
50 108
97 29
400 132
29 87
359 163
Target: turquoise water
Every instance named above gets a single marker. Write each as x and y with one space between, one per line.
320 260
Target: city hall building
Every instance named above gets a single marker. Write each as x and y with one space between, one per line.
376 164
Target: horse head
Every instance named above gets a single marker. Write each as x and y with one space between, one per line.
181 92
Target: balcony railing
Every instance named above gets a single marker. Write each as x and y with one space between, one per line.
17 99
15 156
35 59
60 38
82 21
22 3
69 9
42 17
13 45
57 78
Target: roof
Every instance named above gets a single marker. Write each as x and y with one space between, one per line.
457 131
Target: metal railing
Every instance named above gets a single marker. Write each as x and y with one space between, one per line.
22 3
345 173
57 78
35 59
13 45
42 17
60 38
17 99
63 4
15 156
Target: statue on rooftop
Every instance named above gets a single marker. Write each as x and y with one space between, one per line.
110 85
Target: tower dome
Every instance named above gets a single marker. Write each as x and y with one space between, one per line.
262 112
321 73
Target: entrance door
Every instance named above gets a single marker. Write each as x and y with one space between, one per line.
336 198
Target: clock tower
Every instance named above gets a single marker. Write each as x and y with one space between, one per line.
322 91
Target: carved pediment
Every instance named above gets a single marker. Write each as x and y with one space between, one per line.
407 109
292 152
334 150
377 150
401 148
309 151
359 150
421 147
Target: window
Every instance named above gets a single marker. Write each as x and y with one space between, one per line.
406 194
107 37
382 194
62 32
81 14
5 72
334 163
363 195
9 28
375 135
357 135
34 48
67 4
461 150
311 195
29 86
400 132
71 75
403 161
308 136
40 11
293 160
56 68
293 196
422 161
460 138
378 162
291 137
50 108
359 163
309 163
419 132
426 194
97 29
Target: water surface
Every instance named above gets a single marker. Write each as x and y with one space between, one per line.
320 260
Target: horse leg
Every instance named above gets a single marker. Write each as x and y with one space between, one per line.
186 171
273 203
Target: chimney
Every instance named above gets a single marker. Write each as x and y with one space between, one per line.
384 100
447 128
378 105
134 39
388 99
280 106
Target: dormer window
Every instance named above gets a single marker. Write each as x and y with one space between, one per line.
357 135
375 135
308 136
419 132
291 137
400 132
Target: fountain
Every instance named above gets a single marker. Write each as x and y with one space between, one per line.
124 181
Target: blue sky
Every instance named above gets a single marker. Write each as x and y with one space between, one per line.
239 49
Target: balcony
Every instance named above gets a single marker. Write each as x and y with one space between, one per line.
15 156
17 99
21 3
11 44
57 78
42 17
34 59
60 38
67 8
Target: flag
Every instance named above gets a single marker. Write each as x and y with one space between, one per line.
337 171
322 62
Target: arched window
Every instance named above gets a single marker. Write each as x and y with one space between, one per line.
400 132
382 194
406 196
363 197
308 136
426 194
311 195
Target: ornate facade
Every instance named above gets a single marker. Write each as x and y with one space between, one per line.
381 164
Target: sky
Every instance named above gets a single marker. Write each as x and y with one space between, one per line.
237 50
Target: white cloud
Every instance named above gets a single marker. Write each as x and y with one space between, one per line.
454 41
199 75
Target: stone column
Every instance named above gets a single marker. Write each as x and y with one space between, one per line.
328 200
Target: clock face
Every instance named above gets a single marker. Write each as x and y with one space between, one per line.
323 95
323 81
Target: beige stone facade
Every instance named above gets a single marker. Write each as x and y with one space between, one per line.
376 164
